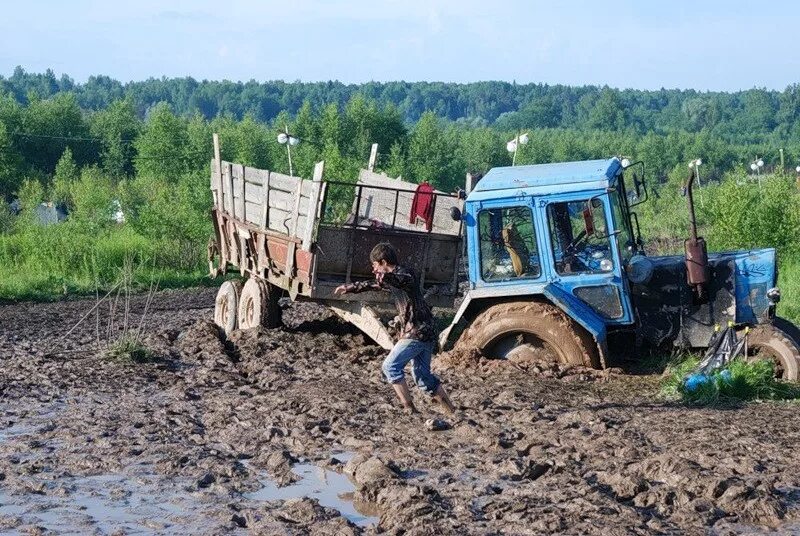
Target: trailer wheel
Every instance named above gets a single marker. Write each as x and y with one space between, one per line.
258 305
226 305
768 342
530 330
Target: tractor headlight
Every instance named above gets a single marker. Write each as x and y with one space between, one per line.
774 295
606 265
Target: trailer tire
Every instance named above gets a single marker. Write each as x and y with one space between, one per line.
771 343
226 305
258 305
507 330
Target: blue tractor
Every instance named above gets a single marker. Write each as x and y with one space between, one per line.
557 266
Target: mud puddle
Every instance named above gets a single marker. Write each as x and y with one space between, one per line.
329 488
104 503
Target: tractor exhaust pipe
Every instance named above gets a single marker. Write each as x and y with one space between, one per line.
697 272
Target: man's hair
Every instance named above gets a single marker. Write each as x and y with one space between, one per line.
384 252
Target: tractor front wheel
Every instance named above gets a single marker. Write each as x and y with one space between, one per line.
530 330
769 342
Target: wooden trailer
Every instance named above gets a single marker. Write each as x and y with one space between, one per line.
300 238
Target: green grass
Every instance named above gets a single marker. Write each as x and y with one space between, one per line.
789 283
738 381
45 263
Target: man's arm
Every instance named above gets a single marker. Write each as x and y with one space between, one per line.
359 286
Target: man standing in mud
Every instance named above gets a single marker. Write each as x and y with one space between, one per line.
416 337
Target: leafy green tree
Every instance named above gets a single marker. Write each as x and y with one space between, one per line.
427 151
10 165
162 147
117 126
67 173
50 126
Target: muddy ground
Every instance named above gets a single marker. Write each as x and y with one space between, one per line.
201 439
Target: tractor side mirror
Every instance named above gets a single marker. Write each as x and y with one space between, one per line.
455 213
639 193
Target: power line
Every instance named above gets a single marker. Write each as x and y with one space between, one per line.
66 138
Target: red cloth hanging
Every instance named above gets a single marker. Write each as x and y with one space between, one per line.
422 205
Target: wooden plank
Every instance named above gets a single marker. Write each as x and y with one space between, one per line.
364 318
242 200
231 202
265 202
295 218
256 176
373 157
313 203
296 210
285 183
216 173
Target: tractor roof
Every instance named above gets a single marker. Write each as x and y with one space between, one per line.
547 178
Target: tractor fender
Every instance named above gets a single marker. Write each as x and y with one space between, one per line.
476 301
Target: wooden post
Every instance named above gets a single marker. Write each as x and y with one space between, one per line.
218 171
311 218
470 184
373 157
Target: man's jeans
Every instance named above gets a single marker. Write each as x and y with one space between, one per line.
411 350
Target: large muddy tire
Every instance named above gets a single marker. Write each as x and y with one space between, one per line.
530 330
788 328
226 305
258 305
768 342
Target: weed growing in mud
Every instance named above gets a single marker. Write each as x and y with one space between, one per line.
737 381
129 348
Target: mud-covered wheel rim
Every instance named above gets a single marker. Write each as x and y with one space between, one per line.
768 342
252 304
226 305
521 346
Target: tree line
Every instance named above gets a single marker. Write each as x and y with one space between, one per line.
126 132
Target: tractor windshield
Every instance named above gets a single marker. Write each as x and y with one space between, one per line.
579 236
508 244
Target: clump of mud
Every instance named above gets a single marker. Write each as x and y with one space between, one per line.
465 358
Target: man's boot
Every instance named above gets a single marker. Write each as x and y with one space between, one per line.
441 397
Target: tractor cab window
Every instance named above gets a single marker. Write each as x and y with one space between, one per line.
627 246
580 238
508 244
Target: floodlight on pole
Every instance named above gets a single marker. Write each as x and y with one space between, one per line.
513 146
284 138
756 166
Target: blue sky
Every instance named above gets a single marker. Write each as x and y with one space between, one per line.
716 45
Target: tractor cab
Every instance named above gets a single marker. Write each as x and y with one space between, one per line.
562 226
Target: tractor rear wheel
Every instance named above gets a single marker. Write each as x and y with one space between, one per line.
769 342
530 330
258 305
226 305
